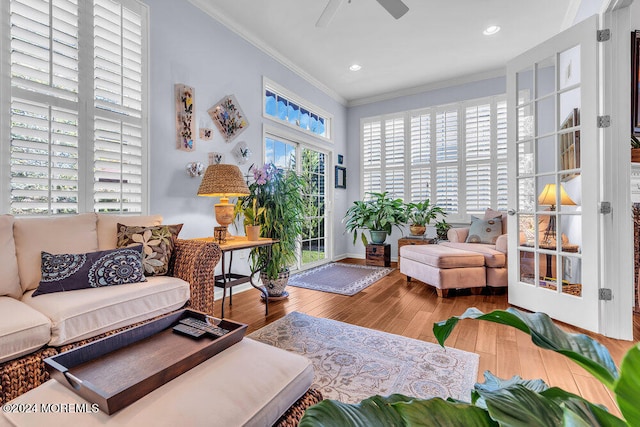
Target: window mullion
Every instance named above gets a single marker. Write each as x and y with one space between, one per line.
5 103
433 164
462 161
408 196
493 132
86 110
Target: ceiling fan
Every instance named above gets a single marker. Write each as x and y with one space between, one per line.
395 7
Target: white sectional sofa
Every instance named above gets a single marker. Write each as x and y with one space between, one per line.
33 328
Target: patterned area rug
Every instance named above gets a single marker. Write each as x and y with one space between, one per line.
352 363
339 278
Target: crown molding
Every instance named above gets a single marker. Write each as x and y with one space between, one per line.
229 23
471 78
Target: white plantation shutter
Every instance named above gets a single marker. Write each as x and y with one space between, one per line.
501 157
44 107
478 157
456 156
420 179
118 126
447 136
44 47
447 188
56 120
372 157
394 157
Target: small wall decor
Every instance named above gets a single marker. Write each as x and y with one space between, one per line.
185 123
206 134
241 152
216 158
341 177
340 159
228 117
195 169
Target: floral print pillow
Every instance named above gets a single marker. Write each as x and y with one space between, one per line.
157 242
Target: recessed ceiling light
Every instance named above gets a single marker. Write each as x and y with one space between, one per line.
355 67
490 30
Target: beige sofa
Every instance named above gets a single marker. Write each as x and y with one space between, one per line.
33 328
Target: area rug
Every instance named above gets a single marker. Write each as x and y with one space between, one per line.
352 363
339 278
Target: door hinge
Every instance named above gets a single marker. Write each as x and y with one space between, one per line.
603 35
605 294
605 207
604 121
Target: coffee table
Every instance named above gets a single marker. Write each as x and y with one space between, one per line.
250 383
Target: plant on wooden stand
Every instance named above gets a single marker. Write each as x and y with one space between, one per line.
378 215
278 193
442 227
635 149
420 215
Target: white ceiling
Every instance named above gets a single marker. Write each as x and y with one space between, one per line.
436 41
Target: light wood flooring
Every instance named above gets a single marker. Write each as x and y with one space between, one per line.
410 309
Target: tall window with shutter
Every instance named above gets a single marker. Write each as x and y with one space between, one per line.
73 113
454 155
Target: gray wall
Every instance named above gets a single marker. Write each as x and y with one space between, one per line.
187 46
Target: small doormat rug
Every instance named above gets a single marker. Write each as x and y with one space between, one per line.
352 363
339 278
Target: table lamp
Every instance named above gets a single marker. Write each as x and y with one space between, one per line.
548 197
223 181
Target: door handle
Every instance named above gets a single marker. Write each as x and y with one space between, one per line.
511 212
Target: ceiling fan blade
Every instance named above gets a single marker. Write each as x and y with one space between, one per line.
395 7
328 13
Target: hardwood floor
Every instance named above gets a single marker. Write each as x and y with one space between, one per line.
410 309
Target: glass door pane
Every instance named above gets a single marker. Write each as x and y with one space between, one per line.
314 235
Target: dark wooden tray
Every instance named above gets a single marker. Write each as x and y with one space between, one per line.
120 369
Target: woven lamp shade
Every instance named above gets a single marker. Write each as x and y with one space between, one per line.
223 181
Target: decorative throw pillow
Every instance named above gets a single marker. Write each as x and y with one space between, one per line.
157 242
68 272
484 230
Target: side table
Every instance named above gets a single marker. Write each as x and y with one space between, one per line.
379 255
228 279
412 240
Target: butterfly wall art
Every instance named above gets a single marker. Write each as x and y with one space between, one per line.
228 117
185 117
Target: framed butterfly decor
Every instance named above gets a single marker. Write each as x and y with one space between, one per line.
228 117
185 118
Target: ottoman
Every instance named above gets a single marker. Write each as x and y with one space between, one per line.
248 384
443 267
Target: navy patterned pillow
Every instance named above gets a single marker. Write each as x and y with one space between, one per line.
68 272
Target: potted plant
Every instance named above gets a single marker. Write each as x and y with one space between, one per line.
442 227
512 402
278 193
378 215
420 215
635 149
251 214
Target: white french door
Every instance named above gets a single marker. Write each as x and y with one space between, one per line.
310 163
554 177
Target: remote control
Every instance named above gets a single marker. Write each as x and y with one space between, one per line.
189 331
200 324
